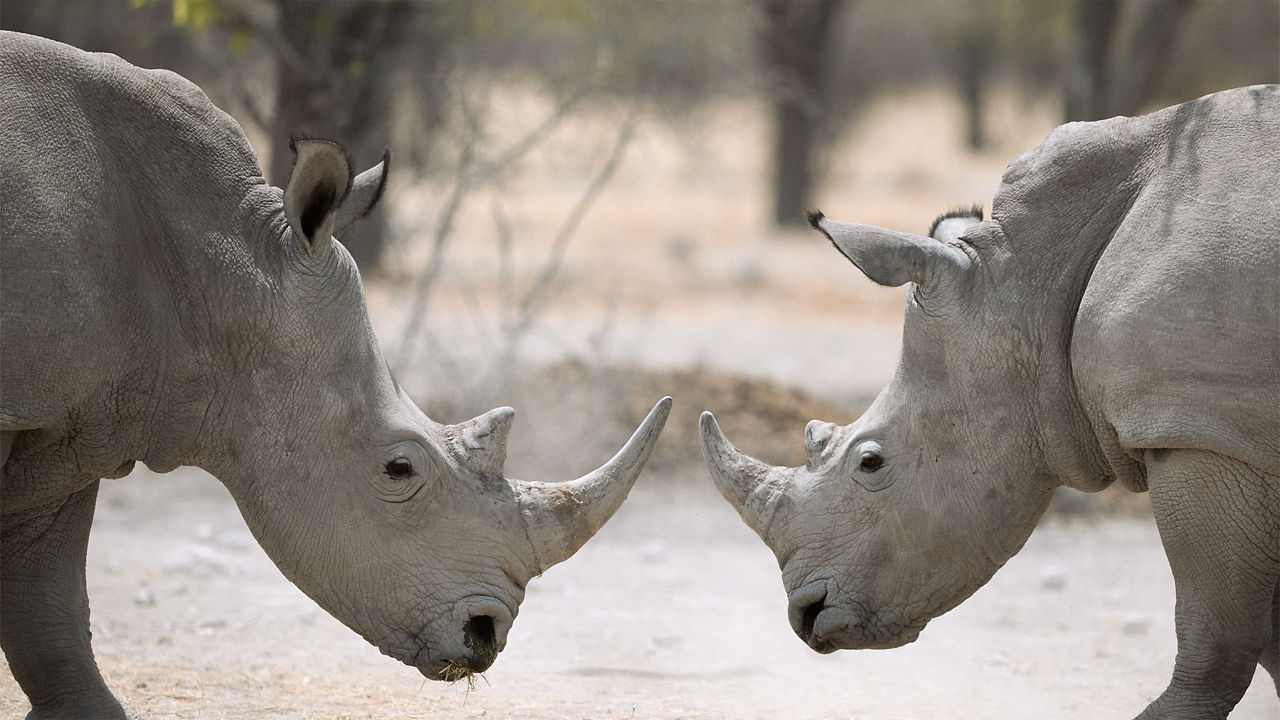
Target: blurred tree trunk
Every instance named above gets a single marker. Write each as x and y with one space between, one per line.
1093 26
1099 88
974 63
973 68
797 38
1148 55
335 62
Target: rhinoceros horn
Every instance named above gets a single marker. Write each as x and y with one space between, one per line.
481 442
889 257
560 517
754 488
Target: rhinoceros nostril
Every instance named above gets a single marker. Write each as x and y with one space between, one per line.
480 637
810 617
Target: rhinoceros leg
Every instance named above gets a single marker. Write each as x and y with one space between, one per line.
1271 653
6 444
44 612
1219 526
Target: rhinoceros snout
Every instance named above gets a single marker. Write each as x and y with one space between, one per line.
804 606
484 634
467 643
826 624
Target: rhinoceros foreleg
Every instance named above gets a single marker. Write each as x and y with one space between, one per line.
44 612
1218 522
1271 653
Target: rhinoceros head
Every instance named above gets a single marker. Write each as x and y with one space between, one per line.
405 529
901 515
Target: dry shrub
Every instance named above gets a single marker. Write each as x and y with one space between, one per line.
571 415
574 415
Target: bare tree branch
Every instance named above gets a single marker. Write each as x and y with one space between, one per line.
471 173
443 229
555 259
506 279
283 50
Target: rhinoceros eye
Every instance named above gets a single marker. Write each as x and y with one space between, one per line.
400 469
871 461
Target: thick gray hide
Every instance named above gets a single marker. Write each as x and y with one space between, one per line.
1117 319
162 304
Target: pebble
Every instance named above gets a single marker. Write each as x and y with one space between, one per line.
1053 577
653 551
1135 625
210 627
145 598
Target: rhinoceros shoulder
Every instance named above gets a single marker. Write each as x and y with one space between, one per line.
1177 340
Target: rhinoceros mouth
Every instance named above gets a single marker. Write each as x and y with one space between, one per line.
483 638
447 669
833 628
867 638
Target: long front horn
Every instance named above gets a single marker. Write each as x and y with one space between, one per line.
889 257
753 488
560 517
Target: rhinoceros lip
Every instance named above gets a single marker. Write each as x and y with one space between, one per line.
443 669
436 669
862 632
871 637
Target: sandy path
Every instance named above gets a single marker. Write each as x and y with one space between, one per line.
674 611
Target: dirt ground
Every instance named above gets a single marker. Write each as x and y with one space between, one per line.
675 610
674 284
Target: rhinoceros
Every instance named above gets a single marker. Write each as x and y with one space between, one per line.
163 304
1115 320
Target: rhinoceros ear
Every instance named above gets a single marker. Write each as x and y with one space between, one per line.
365 192
320 180
950 226
890 257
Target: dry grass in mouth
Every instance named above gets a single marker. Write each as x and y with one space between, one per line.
453 672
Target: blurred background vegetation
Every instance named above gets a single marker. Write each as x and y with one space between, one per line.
398 72
726 119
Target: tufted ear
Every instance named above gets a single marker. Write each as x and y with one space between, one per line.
364 195
317 186
890 257
950 226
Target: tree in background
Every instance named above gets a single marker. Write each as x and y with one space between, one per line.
1096 86
797 38
341 69
338 67
975 53
404 73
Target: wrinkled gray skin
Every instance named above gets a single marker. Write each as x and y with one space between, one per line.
162 304
1115 320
